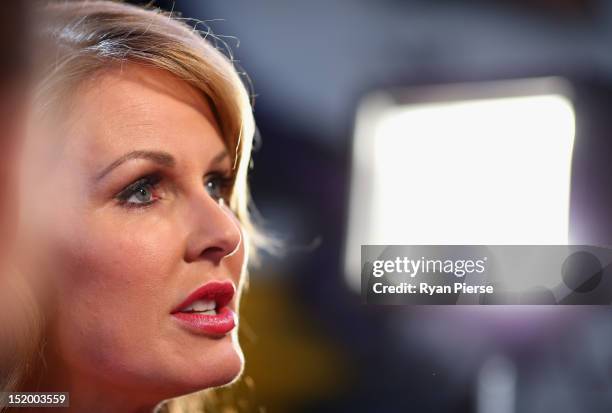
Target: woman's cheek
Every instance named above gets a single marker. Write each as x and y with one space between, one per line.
121 253
116 268
111 291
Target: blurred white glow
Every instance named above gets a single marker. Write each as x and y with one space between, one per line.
488 171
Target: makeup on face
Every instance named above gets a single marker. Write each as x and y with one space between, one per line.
141 246
145 189
206 310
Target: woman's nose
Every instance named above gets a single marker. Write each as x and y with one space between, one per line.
214 230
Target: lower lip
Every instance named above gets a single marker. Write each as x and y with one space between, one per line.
215 325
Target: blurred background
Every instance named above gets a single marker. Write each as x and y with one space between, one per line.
327 76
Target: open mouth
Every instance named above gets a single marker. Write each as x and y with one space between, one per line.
206 309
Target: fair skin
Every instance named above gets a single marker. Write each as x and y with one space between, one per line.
119 258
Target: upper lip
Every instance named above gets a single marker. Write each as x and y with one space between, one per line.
221 292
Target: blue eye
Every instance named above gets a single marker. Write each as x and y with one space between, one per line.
218 186
142 195
139 193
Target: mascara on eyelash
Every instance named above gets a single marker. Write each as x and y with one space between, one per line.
128 191
224 180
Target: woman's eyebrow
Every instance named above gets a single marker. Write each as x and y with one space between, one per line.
162 158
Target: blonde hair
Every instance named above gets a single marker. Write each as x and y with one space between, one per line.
83 38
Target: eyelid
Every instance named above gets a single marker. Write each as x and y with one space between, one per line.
226 175
126 192
224 171
226 180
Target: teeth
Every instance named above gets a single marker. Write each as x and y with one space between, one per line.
209 312
203 306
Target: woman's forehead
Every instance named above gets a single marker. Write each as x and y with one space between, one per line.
138 108
123 92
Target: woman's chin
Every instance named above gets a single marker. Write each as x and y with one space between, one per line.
220 364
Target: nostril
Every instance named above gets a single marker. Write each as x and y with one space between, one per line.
214 253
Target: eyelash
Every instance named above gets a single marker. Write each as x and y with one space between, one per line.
151 182
225 182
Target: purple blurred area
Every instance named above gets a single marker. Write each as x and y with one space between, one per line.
311 346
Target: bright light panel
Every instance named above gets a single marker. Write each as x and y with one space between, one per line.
489 171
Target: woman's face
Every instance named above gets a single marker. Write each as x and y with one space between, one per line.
129 225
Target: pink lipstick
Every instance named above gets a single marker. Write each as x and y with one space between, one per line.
205 310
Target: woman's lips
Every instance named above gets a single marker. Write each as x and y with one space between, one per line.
220 321
216 325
